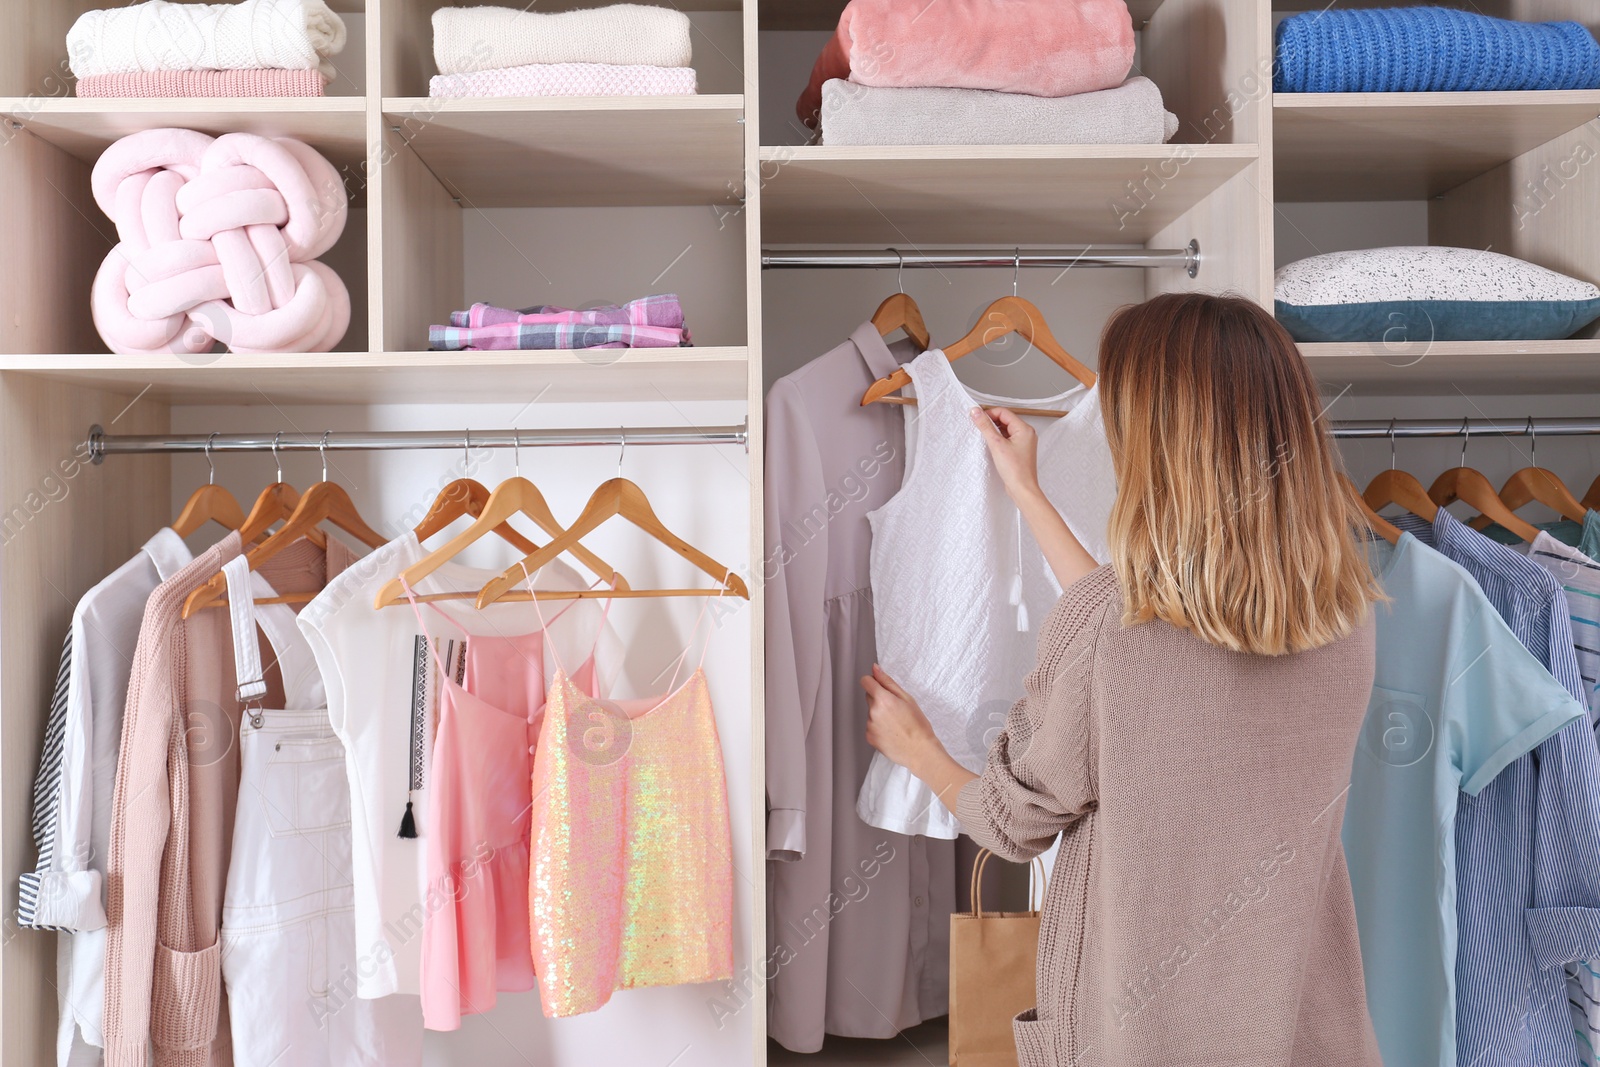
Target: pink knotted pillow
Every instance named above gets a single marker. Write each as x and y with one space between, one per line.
218 241
1037 47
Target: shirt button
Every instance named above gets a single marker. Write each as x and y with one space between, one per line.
916 901
530 749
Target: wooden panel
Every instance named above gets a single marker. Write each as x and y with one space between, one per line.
423 270
755 473
1436 369
33 48
1543 206
591 375
55 239
578 151
333 125
1212 60
65 525
1121 194
1410 146
1233 226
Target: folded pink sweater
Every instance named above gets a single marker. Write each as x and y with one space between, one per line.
1038 47
222 83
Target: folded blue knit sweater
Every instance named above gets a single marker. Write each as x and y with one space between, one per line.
1430 49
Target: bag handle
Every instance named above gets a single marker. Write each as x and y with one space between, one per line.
977 884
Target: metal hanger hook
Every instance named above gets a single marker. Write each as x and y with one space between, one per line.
1016 268
516 452
322 450
1391 444
622 447
1466 436
899 270
275 457
466 450
1533 434
212 479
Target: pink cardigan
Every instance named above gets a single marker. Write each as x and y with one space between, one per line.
172 815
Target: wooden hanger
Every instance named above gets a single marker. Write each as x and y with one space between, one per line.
621 497
1464 483
900 312
275 504
1535 483
515 496
1591 499
1009 314
324 502
1398 487
465 496
1377 523
209 503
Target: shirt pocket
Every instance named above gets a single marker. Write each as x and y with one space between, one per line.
305 788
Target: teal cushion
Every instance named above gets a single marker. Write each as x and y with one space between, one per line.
1412 321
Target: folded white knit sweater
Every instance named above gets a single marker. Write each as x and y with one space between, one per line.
251 35
466 39
854 114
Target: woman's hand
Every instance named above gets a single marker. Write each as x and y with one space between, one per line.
895 725
1014 447
897 728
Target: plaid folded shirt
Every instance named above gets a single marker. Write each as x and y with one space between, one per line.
649 322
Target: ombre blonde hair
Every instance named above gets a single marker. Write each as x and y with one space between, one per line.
1230 519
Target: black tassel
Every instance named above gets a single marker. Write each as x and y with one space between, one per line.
408 824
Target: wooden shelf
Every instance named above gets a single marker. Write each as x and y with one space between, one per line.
333 125
578 151
565 376
1475 366
1118 194
1409 146
824 14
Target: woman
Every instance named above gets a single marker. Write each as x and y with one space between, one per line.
1189 729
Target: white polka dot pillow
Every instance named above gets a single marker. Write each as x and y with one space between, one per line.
1429 294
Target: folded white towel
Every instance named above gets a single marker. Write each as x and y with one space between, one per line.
251 35
466 39
855 114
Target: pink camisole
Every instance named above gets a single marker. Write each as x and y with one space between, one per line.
632 853
476 938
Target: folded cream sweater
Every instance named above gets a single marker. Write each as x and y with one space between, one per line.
466 39
855 114
250 35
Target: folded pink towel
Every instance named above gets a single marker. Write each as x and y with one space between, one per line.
566 79
1037 47
218 239
220 83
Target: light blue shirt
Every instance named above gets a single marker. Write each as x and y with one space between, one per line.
1456 698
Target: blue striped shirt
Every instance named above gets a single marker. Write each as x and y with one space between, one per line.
1579 576
1528 845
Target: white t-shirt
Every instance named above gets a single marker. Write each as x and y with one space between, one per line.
381 690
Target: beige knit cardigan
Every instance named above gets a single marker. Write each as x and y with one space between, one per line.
1200 910
172 815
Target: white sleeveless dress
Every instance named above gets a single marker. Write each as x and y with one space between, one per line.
958 583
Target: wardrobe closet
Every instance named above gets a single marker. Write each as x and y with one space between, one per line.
580 200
